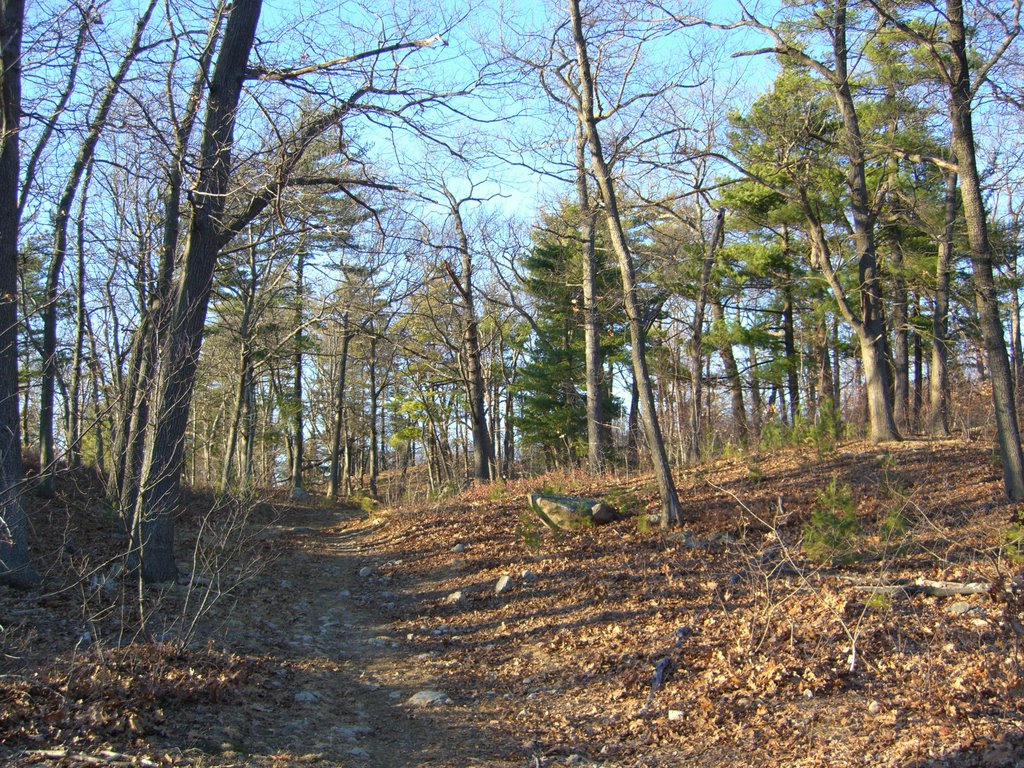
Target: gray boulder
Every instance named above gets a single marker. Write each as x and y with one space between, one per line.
429 699
299 494
570 512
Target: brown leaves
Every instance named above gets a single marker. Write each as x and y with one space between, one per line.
115 695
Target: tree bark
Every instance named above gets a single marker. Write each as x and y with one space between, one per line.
136 390
938 373
960 113
597 449
871 329
671 510
900 336
333 483
73 427
695 444
298 437
789 349
732 373
374 457
15 566
483 449
165 450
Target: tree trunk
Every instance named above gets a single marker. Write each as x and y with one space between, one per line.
298 441
917 401
671 510
938 372
47 458
374 458
789 349
597 450
15 567
960 96
732 373
137 388
245 372
339 411
756 407
73 427
483 450
900 344
694 447
165 450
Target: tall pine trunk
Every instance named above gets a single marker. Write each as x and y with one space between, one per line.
960 113
938 371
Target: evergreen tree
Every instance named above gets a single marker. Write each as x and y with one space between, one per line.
552 384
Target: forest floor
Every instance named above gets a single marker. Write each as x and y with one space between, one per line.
305 631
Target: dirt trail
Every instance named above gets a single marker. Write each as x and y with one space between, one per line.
338 678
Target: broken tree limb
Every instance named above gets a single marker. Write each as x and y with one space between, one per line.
921 586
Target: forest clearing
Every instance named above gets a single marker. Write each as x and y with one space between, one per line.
311 657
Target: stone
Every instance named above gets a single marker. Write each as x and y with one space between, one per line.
874 708
428 698
459 548
299 494
359 753
365 572
961 608
528 576
351 732
454 597
571 512
504 584
676 714
306 697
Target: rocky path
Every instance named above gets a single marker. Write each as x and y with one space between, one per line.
341 688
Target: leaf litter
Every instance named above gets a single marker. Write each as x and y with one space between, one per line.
620 645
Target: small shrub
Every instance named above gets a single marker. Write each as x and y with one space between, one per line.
529 530
833 531
879 602
445 491
552 488
754 472
1012 543
825 431
895 524
626 502
496 490
367 504
773 436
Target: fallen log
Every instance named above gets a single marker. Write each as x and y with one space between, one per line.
921 586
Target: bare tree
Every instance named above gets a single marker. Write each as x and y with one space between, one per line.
15 566
484 468
671 510
62 218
